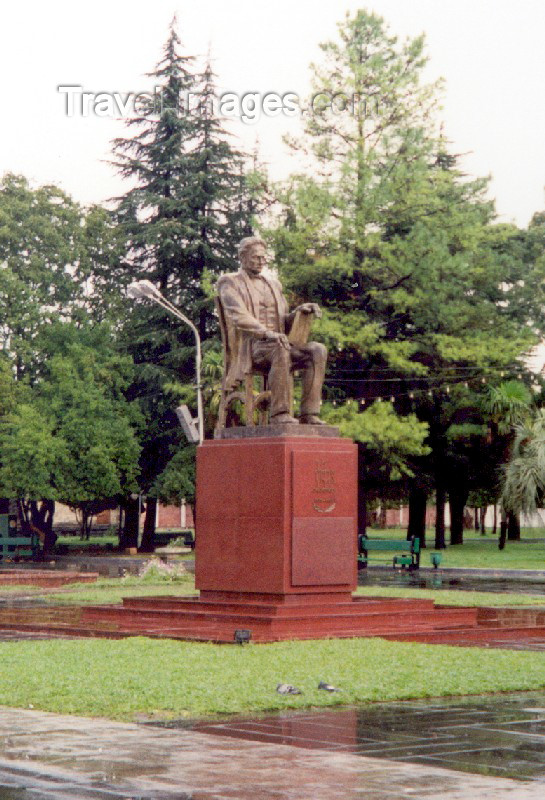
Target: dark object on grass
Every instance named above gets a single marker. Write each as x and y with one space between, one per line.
327 687
242 636
287 688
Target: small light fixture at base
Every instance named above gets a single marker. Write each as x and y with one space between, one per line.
242 636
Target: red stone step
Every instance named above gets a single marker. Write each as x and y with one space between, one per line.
477 635
46 579
355 605
62 629
359 616
189 618
508 616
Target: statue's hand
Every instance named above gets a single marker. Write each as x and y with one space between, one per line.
274 336
310 308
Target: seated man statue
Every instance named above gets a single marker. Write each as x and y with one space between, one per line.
257 326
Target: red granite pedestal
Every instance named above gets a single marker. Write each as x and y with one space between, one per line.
276 519
276 546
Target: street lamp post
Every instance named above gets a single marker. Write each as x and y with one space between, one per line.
146 290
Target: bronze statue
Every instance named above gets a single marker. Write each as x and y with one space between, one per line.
257 323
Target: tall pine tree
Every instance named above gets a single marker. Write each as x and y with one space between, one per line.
399 248
183 215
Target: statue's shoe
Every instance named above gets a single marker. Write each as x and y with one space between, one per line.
311 419
284 419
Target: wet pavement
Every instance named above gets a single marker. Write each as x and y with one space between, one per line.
500 735
53 756
518 582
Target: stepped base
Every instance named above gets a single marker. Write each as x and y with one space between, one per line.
215 616
215 620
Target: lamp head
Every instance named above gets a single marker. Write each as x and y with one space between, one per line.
140 289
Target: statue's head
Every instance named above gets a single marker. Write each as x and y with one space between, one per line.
252 253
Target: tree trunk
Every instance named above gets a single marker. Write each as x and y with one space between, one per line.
147 545
513 527
42 518
457 500
129 536
86 522
24 518
440 500
495 520
476 518
503 531
482 519
417 514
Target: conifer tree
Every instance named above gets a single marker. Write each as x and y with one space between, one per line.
400 249
182 216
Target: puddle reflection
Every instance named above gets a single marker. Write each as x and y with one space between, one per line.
438 580
486 735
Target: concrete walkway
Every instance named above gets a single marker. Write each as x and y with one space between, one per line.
52 756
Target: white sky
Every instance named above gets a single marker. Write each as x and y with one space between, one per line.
490 52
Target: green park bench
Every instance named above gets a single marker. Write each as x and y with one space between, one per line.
409 549
13 544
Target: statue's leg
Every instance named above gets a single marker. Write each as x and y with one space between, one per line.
273 355
311 360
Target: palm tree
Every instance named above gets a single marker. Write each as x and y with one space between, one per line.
524 474
508 407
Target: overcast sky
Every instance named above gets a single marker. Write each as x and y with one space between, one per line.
490 53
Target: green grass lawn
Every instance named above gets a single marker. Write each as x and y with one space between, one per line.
114 589
74 542
19 588
476 553
486 555
102 541
453 597
121 678
401 533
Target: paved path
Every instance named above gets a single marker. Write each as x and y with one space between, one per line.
498 735
76 758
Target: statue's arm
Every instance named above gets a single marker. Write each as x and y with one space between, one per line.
304 308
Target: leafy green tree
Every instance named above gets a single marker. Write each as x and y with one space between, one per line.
421 291
177 481
40 255
72 438
102 271
30 455
27 456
